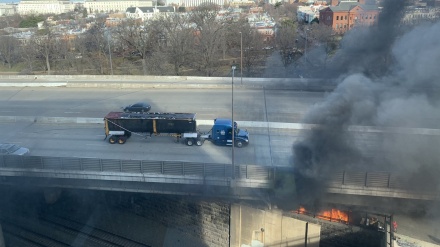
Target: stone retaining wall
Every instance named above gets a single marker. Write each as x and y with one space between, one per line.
206 221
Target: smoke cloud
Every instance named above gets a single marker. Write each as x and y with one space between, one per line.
387 79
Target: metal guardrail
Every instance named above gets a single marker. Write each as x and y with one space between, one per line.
176 168
377 180
383 184
337 181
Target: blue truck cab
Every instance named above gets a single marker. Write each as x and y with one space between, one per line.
222 133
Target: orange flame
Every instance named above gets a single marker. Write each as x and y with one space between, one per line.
302 210
333 215
330 215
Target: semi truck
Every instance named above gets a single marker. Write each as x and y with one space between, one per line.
119 126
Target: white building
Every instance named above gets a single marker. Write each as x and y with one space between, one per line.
114 5
196 3
308 13
415 15
7 9
26 7
145 13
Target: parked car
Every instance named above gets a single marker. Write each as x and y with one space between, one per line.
7 148
138 107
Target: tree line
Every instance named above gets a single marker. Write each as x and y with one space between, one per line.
195 43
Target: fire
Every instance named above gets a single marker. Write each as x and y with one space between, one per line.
330 215
302 210
333 215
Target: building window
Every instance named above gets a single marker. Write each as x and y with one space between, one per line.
337 18
345 18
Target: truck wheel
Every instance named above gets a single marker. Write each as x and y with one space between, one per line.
189 141
122 139
112 139
239 144
199 141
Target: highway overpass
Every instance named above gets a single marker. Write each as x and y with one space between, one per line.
187 178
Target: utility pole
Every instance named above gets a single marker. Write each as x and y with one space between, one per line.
233 125
110 52
241 57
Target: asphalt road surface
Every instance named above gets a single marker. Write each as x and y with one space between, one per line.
249 104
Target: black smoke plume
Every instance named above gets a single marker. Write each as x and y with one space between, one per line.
389 79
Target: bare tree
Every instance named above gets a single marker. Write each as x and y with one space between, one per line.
179 39
8 52
63 56
83 56
252 48
29 56
44 45
286 40
96 49
208 38
323 36
139 38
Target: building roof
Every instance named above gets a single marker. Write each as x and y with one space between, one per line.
160 8
347 6
131 9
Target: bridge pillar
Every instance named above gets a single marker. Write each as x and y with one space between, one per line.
2 240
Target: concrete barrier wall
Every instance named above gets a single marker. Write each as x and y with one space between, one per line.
128 81
254 227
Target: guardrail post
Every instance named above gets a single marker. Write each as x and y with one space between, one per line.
183 169
389 180
161 167
366 179
343 177
225 174
61 164
142 166
42 162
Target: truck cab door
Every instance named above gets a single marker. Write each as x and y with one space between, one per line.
220 135
228 136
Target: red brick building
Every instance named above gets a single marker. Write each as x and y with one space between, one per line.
343 15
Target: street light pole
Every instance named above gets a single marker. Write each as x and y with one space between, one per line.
110 52
233 125
241 57
305 46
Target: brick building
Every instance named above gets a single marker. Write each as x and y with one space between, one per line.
343 15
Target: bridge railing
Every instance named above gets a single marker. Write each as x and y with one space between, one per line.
177 168
378 180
